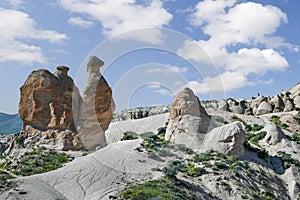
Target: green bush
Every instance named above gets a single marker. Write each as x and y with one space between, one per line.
258 136
296 138
254 127
172 168
129 135
20 139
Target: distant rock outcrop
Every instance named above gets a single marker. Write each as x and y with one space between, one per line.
52 102
189 122
227 139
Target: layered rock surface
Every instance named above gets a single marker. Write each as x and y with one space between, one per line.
52 103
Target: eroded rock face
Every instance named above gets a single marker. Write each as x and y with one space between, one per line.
51 103
278 103
256 102
97 110
227 139
46 100
264 108
223 105
189 122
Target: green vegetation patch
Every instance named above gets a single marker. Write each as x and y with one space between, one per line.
129 135
288 161
236 118
276 120
162 188
38 161
296 138
253 127
5 184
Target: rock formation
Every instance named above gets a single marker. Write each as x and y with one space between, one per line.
97 110
227 139
46 100
278 103
274 134
52 109
223 105
264 108
256 102
189 122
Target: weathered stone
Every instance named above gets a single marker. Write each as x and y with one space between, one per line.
248 111
227 139
264 108
297 101
46 100
189 121
97 110
223 105
256 102
274 134
278 103
289 105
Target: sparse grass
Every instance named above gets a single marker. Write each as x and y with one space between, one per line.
236 118
254 127
276 120
288 161
129 135
163 188
38 161
5 184
258 136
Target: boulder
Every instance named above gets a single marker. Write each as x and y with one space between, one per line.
223 105
278 103
264 108
256 102
97 110
248 111
274 134
239 108
227 139
289 105
189 121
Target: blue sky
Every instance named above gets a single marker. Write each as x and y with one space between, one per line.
152 48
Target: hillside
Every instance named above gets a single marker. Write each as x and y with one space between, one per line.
10 123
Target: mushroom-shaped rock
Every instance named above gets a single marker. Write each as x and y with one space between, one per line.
227 139
274 134
97 110
223 105
264 108
189 121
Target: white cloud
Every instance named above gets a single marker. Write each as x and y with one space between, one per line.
154 85
78 21
15 32
242 41
169 69
165 92
120 16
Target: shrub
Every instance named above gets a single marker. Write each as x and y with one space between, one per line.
296 138
20 139
258 136
254 127
129 135
172 168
